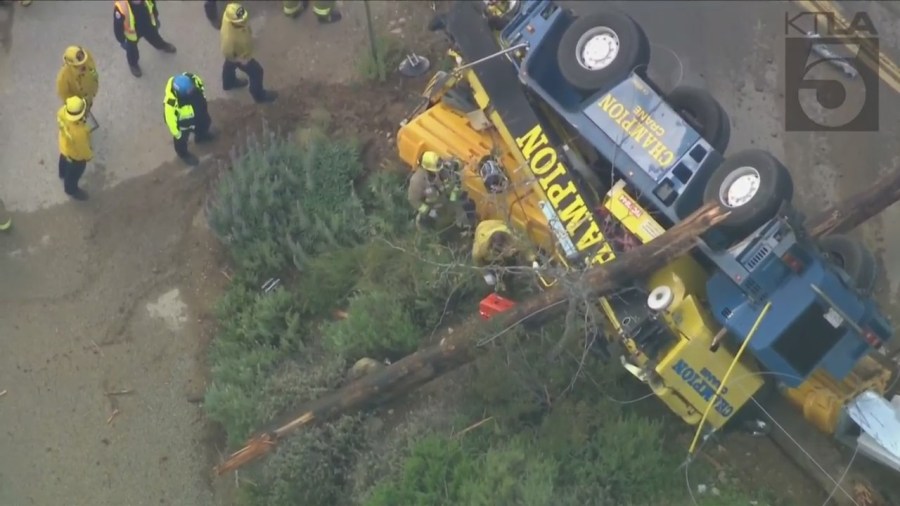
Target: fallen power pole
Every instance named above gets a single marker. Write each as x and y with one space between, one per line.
458 348
857 209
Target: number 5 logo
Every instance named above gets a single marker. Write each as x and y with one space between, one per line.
820 96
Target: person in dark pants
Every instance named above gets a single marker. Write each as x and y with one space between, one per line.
186 111
74 145
237 48
211 8
132 20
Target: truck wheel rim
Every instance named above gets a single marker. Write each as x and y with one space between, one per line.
739 187
597 48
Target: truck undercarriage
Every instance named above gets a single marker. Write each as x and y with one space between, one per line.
569 202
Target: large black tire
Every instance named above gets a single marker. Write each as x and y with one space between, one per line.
704 113
854 258
773 187
633 50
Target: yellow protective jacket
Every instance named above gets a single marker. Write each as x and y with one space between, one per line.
180 116
481 246
74 138
82 81
236 41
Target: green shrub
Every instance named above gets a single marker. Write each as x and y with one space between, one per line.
385 196
308 468
298 381
623 460
432 279
284 203
328 280
434 474
513 473
378 325
256 332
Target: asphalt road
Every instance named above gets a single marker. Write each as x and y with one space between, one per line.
133 139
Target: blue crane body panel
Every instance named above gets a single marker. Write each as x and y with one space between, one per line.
817 319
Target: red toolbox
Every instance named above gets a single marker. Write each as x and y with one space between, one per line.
494 304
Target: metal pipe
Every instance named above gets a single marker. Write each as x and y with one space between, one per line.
491 56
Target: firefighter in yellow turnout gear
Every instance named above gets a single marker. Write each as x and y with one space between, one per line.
495 246
236 42
435 191
186 111
78 76
74 145
324 10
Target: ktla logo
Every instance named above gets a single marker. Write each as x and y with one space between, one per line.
831 73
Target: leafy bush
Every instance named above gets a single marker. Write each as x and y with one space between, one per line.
385 195
378 324
300 380
513 473
284 203
435 473
308 468
430 278
256 332
328 281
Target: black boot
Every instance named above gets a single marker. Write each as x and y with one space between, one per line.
78 194
168 48
237 83
266 97
135 70
189 158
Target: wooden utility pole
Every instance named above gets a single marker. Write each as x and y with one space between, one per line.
459 348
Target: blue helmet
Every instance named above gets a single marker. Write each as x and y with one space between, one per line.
182 85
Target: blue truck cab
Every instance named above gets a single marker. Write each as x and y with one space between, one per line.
659 153
669 151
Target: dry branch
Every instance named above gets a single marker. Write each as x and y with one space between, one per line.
459 348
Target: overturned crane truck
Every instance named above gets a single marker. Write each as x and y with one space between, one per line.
597 159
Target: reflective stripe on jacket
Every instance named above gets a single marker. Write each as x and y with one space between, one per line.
180 117
322 8
124 9
74 138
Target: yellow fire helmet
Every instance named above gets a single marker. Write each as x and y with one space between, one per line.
75 108
75 56
430 161
236 14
